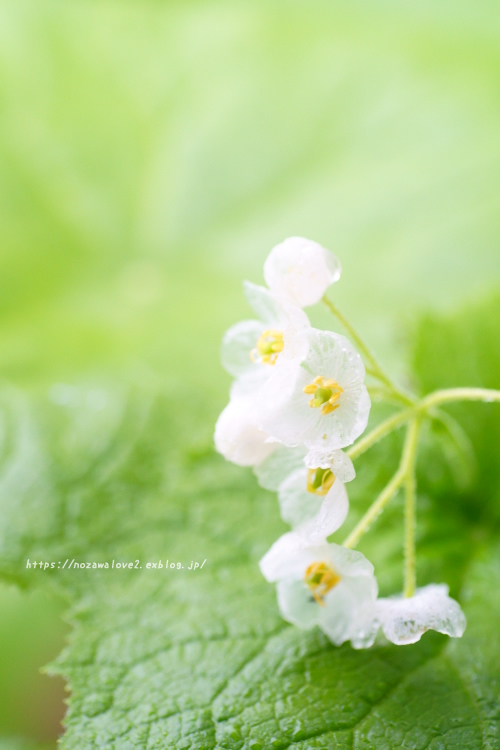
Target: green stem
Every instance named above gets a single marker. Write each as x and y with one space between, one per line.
382 393
421 408
383 429
458 394
375 509
410 581
389 491
374 369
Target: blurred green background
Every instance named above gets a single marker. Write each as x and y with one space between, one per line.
152 153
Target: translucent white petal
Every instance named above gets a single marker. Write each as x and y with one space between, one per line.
349 605
313 516
280 464
333 356
336 460
264 304
365 625
241 339
297 505
237 344
238 438
301 271
330 516
273 311
350 562
340 618
247 386
289 557
404 620
275 398
296 342
297 605
284 410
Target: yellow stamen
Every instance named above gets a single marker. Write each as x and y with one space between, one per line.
269 345
319 481
310 388
326 394
320 579
329 407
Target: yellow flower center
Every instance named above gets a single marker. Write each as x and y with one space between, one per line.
269 345
325 393
319 481
320 578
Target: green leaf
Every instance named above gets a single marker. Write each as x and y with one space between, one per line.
172 658
151 155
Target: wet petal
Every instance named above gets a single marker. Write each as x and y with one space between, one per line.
264 304
238 438
238 343
405 620
336 460
329 517
284 408
247 386
350 562
297 605
297 505
280 464
289 557
273 311
341 618
301 271
333 356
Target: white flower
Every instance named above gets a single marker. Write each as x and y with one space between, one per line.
251 348
336 460
279 465
318 400
310 513
238 438
300 271
405 620
310 487
323 584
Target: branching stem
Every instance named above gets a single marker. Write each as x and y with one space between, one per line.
407 463
422 408
383 429
415 411
457 394
410 577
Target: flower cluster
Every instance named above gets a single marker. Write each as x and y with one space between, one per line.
298 398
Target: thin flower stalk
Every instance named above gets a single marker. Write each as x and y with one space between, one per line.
410 578
409 452
374 369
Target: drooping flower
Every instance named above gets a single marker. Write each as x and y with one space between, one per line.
309 512
323 584
318 400
237 436
251 348
405 620
300 271
310 487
